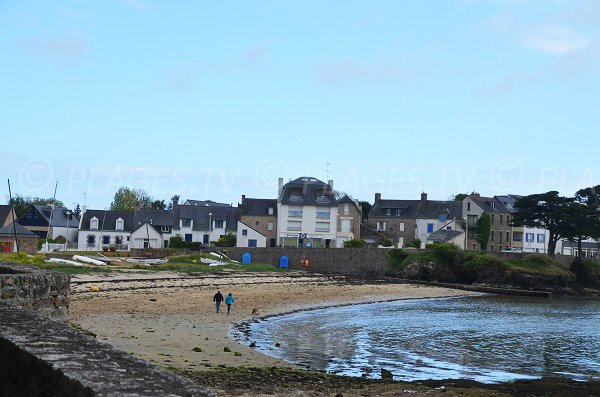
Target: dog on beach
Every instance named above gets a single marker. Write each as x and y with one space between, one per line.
255 311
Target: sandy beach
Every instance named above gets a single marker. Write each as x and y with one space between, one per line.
170 318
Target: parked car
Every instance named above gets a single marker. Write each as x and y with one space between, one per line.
513 250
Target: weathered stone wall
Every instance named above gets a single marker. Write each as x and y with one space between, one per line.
40 357
359 261
46 293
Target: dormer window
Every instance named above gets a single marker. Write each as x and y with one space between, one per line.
388 211
94 223
443 217
296 195
270 211
120 224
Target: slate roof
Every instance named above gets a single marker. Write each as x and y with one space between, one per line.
408 208
204 203
201 218
258 207
346 200
443 235
59 217
312 192
584 244
8 231
156 218
509 201
432 209
4 213
489 204
107 220
369 233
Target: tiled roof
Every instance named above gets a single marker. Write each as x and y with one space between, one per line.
489 204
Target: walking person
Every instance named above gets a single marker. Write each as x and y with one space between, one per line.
218 298
229 301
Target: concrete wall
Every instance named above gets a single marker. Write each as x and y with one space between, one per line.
45 293
358 261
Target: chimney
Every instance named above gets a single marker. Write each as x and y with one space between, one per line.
243 198
330 183
377 197
280 187
175 204
423 197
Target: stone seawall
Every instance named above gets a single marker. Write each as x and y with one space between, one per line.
358 261
43 292
41 357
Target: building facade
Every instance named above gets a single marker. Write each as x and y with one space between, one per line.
258 223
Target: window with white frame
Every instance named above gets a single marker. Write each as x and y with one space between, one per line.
401 226
120 224
381 226
346 209
541 238
295 212
270 210
322 227
219 223
346 225
294 225
323 214
529 237
270 226
94 223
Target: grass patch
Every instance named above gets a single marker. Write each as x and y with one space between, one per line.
39 261
536 263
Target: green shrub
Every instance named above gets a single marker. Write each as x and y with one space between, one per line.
396 258
446 254
178 242
416 243
472 268
386 243
354 243
228 240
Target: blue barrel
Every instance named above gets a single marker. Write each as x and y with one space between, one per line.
246 258
283 262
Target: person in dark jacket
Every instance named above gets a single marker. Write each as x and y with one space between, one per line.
218 298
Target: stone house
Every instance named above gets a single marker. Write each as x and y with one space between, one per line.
403 221
257 226
501 231
348 220
25 239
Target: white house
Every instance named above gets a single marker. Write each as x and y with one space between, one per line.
105 228
146 236
249 237
204 221
307 213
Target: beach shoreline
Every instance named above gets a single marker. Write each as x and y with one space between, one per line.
165 319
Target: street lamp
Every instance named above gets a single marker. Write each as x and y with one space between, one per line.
209 227
68 213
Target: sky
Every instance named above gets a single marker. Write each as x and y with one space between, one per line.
212 100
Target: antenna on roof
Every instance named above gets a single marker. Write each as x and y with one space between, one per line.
327 171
